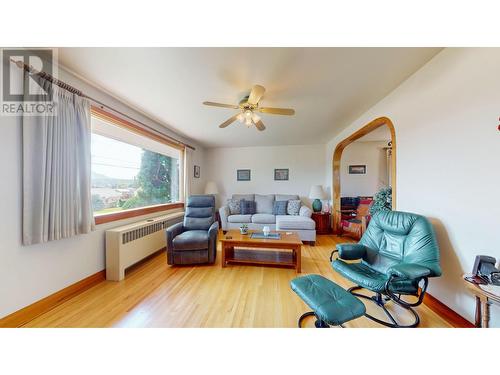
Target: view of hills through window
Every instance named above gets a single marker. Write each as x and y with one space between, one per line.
126 176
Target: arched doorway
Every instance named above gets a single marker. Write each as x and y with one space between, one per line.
337 155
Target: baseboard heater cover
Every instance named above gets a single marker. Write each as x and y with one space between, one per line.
128 244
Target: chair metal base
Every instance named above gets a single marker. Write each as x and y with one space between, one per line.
318 323
380 300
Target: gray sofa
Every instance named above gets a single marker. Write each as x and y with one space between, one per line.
302 223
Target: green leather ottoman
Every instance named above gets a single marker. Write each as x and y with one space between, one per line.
331 304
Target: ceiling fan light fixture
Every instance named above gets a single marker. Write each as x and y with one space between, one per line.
247 106
255 118
248 114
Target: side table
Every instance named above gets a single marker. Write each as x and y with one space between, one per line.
323 223
484 298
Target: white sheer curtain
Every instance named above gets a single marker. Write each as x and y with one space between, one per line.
56 174
188 171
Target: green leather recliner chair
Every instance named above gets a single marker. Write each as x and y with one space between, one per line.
397 253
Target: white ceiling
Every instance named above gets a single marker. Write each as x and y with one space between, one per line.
327 87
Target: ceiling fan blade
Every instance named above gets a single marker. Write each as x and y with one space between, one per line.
229 121
260 125
277 111
256 94
221 105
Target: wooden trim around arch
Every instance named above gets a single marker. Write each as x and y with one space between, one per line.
337 154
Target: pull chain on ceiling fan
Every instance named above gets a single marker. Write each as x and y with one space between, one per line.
248 106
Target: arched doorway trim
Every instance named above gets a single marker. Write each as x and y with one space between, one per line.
337 155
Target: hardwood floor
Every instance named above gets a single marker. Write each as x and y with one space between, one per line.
154 294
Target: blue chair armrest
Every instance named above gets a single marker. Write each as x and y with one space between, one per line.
172 232
212 231
351 251
409 271
212 241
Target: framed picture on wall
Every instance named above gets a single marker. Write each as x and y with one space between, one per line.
197 171
243 175
281 174
357 169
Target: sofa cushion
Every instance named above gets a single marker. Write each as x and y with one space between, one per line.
234 206
263 219
247 197
286 197
293 207
305 211
191 240
284 222
247 207
279 207
239 218
264 203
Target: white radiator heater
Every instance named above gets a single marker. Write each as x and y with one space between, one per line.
128 244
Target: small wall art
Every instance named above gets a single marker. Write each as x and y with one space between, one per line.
281 174
357 169
243 175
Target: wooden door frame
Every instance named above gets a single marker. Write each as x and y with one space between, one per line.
337 155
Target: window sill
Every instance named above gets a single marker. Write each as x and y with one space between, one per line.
115 216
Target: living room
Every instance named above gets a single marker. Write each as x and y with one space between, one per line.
250 187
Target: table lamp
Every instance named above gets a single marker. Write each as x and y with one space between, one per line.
211 188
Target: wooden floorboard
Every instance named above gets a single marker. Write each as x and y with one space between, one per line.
154 294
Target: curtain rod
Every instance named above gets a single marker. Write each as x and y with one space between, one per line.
75 91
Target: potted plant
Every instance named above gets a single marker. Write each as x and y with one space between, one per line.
382 201
244 229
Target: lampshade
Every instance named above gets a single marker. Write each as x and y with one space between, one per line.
211 188
317 192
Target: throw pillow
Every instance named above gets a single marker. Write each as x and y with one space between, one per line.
279 207
305 211
247 207
264 203
234 206
293 207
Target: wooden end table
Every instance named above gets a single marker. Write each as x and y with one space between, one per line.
484 298
322 220
243 249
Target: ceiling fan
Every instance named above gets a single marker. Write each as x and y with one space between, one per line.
248 106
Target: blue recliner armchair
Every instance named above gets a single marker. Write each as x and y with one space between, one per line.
195 239
397 255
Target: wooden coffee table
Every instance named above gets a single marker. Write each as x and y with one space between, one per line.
242 249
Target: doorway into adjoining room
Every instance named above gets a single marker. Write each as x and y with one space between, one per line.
364 167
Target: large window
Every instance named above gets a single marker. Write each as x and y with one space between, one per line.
130 170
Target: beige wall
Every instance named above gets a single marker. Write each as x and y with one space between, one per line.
371 154
448 153
306 164
30 273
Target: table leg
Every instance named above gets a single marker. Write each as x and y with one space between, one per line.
478 312
223 260
298 259
485 309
